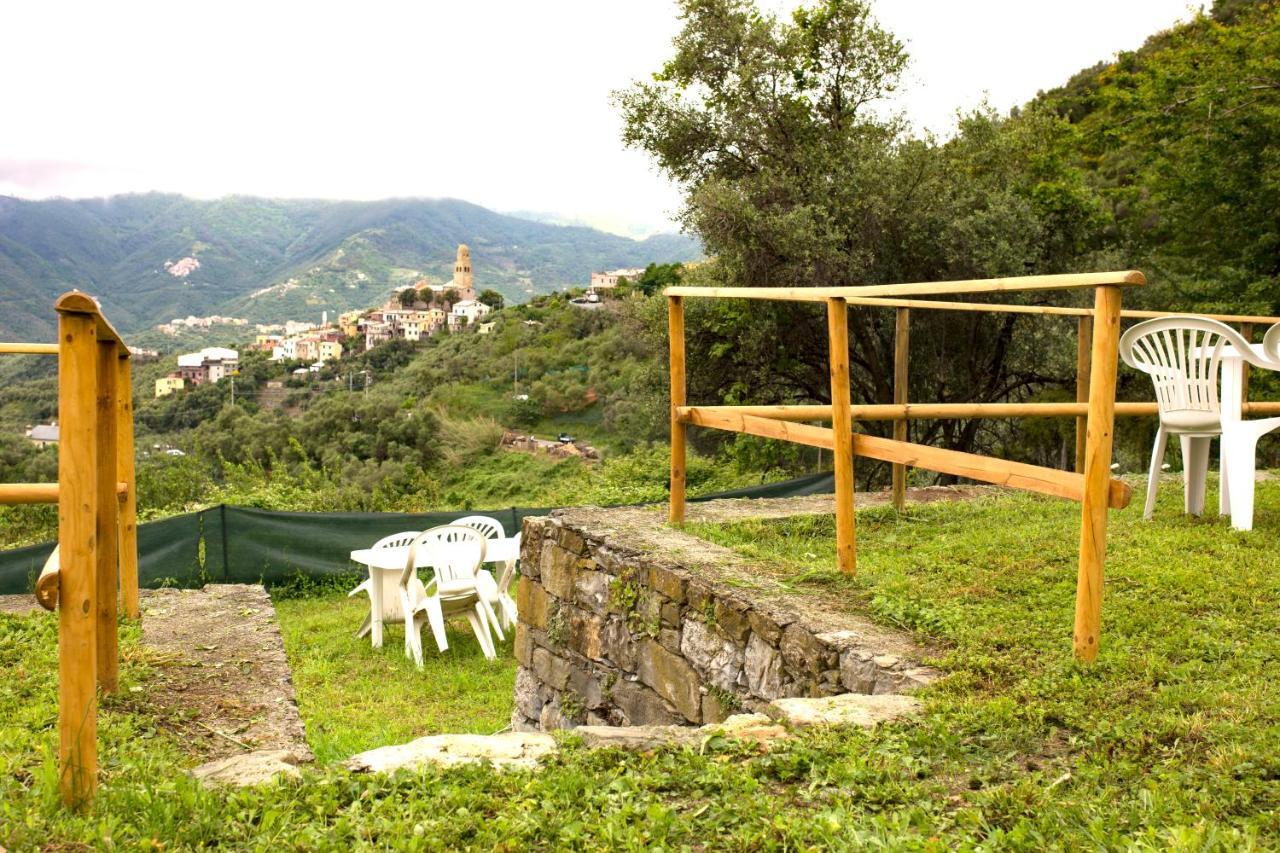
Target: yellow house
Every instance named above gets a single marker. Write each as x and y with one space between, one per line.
349 322
166 385
330 350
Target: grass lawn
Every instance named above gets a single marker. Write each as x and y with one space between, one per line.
1171 740
354 697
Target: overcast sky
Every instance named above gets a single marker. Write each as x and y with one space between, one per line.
500 102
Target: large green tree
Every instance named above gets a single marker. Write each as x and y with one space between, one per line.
796 172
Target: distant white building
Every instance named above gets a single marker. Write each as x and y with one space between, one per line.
609 279
44 434
208 365
466 313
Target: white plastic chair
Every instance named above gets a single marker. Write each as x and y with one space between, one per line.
391 612
455 553
1183 356
495 592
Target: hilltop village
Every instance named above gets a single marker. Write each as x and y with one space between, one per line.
412 313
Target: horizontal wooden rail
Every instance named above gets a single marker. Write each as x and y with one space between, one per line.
1071 281
946 411
28 349
75 302
1050 481
1046 310
42 493
47 583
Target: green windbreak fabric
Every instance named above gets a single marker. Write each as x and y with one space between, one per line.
229 544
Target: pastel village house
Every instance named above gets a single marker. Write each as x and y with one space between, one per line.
209 365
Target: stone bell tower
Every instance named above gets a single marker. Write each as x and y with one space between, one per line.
462 273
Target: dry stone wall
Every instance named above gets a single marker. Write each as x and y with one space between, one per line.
623 623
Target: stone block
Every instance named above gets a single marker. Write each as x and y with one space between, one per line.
572 541
666 581
672 678
804 654
586 687
847 709
858 672
698 596
716 657
530 695
559 568
591 590
617 645
584 634
765 627
524 645
507 750
642 707
531 602
763 666
733 619
250 768
550 669
670 615
669 638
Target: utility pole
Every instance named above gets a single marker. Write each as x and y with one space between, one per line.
515 373
233 389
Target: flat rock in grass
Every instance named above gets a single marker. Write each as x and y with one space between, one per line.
251 768
506 750
753 727
847 709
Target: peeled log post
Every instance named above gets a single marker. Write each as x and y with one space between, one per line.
1084 343
107 571
901 367
129 504
842 429
1097 471
675 333
78 557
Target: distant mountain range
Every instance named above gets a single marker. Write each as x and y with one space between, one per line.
153 257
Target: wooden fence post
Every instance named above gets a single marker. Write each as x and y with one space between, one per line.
129 507
1084 343
78 545
1097 471
106 417
901 367
842 430
675 333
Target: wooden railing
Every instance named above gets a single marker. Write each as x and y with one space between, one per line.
97 554
1095 409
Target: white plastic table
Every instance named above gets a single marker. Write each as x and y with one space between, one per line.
386 560
1232 408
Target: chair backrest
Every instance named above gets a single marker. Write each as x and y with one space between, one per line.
490 527
1271 343
454 552
1182 355
395 540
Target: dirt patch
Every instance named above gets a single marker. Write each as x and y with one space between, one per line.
743 509
19 605
223 683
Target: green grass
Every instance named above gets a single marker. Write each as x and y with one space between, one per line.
355 697
1171 740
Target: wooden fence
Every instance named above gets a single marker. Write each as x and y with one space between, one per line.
97 553
1098 333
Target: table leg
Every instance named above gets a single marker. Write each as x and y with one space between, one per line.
1232 383
375 602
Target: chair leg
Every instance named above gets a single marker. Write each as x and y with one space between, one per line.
1195 469
1240 460
1224 478
1153 476
508 610
365 628
435 616
481 628
492 618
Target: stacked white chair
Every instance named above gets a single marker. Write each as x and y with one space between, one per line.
391 610
1183 356
496 593
455 553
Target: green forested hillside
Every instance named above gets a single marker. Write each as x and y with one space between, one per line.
308 256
